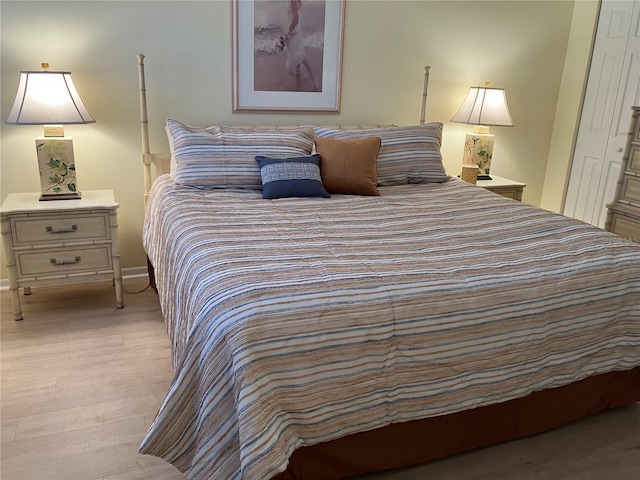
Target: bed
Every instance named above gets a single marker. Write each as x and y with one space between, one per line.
414 317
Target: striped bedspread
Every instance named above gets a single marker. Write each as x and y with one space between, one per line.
298 321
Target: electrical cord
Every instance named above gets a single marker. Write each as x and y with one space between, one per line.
136 292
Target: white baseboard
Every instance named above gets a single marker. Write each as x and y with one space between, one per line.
132 272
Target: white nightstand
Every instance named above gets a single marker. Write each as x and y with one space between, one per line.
60 242
503 186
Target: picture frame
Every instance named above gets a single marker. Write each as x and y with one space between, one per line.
287 55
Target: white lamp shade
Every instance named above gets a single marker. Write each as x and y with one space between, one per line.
47 98
484 106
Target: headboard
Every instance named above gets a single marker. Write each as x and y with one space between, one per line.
156 164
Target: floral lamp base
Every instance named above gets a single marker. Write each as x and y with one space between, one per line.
478 150
57 168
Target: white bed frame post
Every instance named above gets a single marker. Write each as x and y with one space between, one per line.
144 125
159 160
423 113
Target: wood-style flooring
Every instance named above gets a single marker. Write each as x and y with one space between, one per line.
81 381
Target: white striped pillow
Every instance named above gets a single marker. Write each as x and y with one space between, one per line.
407 154
224 157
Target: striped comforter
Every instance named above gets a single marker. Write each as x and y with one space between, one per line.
298 321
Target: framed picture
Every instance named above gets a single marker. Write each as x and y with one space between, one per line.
287 55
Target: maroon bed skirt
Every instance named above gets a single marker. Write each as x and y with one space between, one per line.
420 441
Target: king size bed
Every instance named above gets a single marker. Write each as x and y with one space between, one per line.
406 317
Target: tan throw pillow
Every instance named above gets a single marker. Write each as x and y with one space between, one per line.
349 166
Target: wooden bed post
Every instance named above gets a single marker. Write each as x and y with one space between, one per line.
423 113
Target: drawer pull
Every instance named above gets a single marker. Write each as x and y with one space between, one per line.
74 228
53 261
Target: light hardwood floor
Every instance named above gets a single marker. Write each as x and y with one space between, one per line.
81 381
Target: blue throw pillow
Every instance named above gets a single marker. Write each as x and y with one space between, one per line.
291 177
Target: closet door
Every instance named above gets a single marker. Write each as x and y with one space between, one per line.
612 88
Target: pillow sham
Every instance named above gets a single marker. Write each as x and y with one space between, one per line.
349 166
224 157
407 154
291 177
172 165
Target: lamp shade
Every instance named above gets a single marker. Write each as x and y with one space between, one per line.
484 106
47 97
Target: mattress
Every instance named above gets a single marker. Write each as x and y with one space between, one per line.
298 321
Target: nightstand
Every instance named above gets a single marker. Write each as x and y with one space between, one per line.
503 186
60 242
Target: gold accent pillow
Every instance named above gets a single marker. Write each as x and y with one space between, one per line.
349 166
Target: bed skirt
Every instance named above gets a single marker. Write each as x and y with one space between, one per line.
412 443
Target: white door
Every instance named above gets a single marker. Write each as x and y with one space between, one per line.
612 88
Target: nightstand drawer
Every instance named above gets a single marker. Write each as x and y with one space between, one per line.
59 228
503 186
64 260
509 193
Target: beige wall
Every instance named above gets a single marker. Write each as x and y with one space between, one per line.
517 45
569 106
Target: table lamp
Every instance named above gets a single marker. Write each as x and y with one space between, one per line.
50 98
483 107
